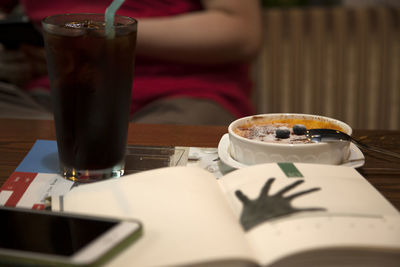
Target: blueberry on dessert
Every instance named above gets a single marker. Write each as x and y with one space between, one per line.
299 129
282 133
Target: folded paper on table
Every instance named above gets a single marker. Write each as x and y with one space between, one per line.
35 179
323 214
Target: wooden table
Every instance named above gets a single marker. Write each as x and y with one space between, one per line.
17 137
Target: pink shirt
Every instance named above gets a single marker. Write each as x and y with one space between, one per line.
227 84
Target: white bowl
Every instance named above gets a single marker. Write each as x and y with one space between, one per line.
250 151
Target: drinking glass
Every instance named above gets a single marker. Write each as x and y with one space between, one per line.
91 82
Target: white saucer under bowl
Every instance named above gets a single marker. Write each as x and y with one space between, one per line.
356 158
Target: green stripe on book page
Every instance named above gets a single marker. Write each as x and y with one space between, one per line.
289 169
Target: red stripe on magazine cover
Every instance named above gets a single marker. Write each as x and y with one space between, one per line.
18 183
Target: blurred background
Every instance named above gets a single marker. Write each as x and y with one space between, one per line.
338 58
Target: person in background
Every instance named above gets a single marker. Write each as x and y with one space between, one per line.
192 58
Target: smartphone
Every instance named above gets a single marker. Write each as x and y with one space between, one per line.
47 238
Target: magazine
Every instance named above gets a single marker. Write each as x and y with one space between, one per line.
37 176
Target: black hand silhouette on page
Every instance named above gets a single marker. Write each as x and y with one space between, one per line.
266 207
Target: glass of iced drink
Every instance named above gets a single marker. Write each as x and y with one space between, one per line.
91 82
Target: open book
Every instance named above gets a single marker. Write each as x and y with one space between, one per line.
270 215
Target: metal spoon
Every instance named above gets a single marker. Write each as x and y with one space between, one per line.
330 135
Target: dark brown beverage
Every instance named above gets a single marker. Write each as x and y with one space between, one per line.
91 80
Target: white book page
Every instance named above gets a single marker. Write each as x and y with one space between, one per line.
185 216
348 211
301 234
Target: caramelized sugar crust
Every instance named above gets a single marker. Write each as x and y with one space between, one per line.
265 130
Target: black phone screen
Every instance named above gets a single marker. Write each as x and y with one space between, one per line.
48 232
